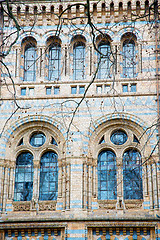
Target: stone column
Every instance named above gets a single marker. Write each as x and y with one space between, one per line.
155 188
85 185
149 168
68 186
36 181
64 185
59 179
145 181
5 189
1 184
89 186
11 183
94 180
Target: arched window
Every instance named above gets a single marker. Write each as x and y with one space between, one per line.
104 68
79 61
54 61
48 188
129 65
132 175
30 63
24 177
107 181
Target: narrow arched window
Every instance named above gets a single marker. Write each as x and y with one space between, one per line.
129 65
107 181
30 63
105 64
48 189
24 177
132 175
79 61
54 61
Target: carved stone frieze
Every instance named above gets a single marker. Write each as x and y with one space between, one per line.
47 206
21 206
130 204
107 204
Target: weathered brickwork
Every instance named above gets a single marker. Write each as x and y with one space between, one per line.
64 128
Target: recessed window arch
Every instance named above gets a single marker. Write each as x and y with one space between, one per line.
107 180
104 53
54 58
24 177
79 57
29 45
129 56
132 174
48 188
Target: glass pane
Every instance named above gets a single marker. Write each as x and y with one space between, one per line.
107 181
24 177
104 68
119 137
37 139
129 59
30 64
54 62
48 176
79 61
132 175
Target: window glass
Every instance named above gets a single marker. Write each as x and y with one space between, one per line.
23 91
37 139
31 91
129 65
30 63
48 90
119 137
54 62
125 88
56 90
104 68
48 189
133 88
74 90
132 175
107 181
24 177
79 61
81 90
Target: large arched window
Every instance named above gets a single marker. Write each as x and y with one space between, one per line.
54 62
107 181
30 62
104 68
132 175
24 177
129 64
79 61
48 188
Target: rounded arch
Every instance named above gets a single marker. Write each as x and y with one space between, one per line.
117 121
129 36
25 35
78 38
15 132
53 40
129 30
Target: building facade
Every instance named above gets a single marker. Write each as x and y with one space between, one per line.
79 120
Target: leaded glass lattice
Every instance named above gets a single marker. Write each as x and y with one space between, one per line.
79 61
37 139
132 175
129 64
104 68
30 63
24 177
119 137
107 181
48 189
54 62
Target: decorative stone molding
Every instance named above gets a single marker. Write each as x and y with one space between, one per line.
134 203
22 206
107 204
47 206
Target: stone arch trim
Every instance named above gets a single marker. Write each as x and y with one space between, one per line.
29 119
135 31
97 125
